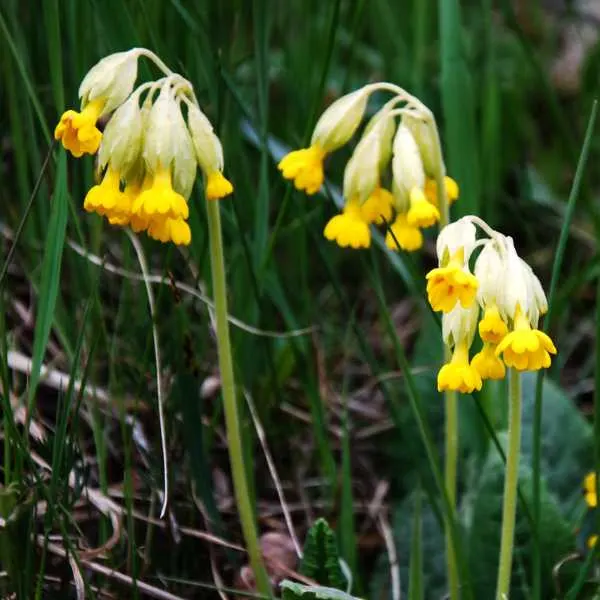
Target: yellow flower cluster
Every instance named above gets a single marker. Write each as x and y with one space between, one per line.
502 300
373 192
149 151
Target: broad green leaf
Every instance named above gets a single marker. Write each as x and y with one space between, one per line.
321 560
296 591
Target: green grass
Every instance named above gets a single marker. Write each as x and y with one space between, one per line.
350 408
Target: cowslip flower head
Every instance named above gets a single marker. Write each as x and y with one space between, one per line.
349 229
105 87
209 153
452 281
458 331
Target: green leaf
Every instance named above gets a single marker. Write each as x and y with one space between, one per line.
320 559
483 506
51 264
296 591
567 441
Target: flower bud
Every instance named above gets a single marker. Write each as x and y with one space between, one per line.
426 136
361 176
459 325
207 145
111 79
340 120
456 236
122 139
407 166
161 142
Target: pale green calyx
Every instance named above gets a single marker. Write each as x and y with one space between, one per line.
111 79
340 121
207 146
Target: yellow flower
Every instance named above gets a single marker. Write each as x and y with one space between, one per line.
402 234
170 230
492 328
160 199
377 208
77 130
106 198
305 168
451 284
452 191
217 186
525 348
487 364
421 212
458 374
591 542
349 228
589 487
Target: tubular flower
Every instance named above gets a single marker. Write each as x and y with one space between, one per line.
589 488
305 168
401 234
217 186
452 191
377 208
492 328
106 198
458 374
524 348
160 201
77 130
451 284
487 364
349 229
421 212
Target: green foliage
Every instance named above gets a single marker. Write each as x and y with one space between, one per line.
320 560
296 591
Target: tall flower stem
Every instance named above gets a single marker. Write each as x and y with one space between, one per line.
230 403
511 479
451 421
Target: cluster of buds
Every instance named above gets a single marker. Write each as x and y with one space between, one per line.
393 168
502 299
155 137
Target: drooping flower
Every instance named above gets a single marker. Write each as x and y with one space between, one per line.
458 331
524 348
349 229
589 488
452 191
378 207
401 234
487 363
492 327
421 212
77 130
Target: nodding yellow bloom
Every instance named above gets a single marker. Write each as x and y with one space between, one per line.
160 200
451 284
592 540
492 328
421 212
217 186
524 348
170 230
349 229
589 487
458 374
452 191
305 168
377 208
408 237
77 130
106 198
488 365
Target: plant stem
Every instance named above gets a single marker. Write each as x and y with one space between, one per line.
451 408
230 403
511 480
